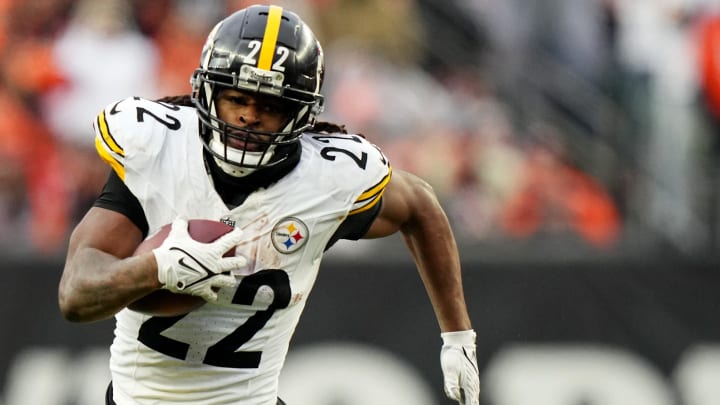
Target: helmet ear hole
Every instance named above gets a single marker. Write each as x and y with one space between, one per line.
235 56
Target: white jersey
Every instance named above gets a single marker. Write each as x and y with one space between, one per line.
230 351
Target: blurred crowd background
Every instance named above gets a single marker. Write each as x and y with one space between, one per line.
585 127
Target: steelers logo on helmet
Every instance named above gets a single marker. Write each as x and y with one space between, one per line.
289 235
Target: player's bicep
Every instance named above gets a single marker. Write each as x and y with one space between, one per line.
404 197
106 230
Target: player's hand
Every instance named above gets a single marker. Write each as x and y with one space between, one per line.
459 366
191 267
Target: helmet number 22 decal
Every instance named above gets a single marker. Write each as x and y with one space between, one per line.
255 45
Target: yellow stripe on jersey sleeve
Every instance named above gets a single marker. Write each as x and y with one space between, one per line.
107 138
106 146
371 196
116 165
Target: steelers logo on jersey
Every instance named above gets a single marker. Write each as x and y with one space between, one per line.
289 235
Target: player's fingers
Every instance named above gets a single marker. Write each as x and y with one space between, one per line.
179 227
207 294
471 397
231 263
470 389
230 239
452 390
223 281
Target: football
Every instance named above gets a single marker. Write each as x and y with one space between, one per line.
164 302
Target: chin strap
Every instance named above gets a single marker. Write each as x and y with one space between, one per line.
231 169
230 186
255 160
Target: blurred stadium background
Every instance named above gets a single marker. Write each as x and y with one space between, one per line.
574 144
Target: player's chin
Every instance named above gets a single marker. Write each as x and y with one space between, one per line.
247 144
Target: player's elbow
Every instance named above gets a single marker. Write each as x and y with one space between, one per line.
426 214
69 312
423 200
71 308
77 313
68 308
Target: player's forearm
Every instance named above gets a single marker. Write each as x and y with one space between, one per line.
441 276
434 250
96 285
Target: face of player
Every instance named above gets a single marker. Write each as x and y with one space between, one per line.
253 112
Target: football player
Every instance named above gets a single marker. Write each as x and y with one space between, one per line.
243 148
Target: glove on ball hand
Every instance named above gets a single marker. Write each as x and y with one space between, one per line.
191 267
459 366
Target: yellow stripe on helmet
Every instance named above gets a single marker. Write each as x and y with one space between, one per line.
272 29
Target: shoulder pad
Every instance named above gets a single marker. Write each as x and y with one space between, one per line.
131 126
364 167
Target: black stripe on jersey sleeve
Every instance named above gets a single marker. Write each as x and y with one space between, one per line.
116 196
355 226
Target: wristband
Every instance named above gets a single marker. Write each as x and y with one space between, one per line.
463 337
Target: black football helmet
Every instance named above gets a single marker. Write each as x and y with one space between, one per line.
260 49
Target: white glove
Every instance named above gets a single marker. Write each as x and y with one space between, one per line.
459 366
191 267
